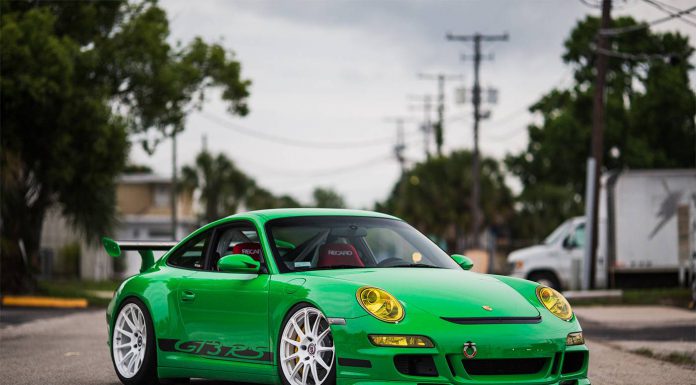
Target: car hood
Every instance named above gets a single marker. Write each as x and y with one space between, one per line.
528 252
441 292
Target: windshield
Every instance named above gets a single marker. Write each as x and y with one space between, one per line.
319 243
558 234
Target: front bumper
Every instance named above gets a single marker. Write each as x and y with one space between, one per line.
508 346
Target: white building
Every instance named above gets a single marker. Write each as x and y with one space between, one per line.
144 213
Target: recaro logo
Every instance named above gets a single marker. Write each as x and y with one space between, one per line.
340 252
250 251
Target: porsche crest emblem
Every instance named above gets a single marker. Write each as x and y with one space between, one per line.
469 350
487 308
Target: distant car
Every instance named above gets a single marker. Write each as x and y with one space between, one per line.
314 297
551 263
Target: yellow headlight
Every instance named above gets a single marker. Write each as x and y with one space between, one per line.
380 304
401 341
555 302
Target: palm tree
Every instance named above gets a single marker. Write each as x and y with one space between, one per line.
222 185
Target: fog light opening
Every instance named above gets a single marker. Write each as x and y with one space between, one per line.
401 341
575 339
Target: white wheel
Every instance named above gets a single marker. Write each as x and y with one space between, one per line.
129 341
306 348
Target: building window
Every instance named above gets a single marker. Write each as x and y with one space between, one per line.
162 197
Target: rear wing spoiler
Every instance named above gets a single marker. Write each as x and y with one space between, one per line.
144 248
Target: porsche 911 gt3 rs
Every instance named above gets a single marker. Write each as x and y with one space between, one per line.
315 297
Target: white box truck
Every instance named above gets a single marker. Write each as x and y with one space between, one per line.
646 235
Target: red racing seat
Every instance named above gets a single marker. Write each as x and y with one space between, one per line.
339 254
252 249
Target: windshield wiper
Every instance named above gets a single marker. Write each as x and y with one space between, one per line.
416 265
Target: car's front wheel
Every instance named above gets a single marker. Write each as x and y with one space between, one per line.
133 344
306 347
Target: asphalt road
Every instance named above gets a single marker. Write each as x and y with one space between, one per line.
15 316
71 349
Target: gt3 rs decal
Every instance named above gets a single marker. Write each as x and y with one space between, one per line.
215 349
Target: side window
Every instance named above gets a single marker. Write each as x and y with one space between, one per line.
192 254
579 236
237 238
576 239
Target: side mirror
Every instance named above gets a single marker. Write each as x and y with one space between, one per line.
238 263
569 243
465 262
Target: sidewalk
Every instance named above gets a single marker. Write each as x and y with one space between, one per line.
654 332
636 316
610 366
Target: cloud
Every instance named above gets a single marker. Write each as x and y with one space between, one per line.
332 71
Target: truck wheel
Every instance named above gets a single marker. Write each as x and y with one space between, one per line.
546 279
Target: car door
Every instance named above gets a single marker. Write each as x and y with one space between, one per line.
225 314
573 254
183 262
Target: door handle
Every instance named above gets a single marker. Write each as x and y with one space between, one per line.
188 296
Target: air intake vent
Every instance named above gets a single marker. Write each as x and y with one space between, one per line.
501 367
573 362
415 365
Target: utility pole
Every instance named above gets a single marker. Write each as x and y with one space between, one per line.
477 38
594 163
174 188
427 126
399 149
440 125
400 146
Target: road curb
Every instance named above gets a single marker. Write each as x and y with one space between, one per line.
45 302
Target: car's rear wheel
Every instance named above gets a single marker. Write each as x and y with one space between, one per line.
306 348
133 345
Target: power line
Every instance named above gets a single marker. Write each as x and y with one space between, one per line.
633 28
591 4
515 131
295 173
634 56
258 134
598 4
670 10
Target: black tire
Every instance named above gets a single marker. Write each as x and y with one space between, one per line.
147 374
545 278
330 380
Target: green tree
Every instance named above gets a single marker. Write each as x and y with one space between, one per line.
258 198
650 110
221 184
223 188
434 196
75 79
327 198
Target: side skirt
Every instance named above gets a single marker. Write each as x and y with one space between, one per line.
169 372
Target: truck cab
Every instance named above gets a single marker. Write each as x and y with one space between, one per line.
557 261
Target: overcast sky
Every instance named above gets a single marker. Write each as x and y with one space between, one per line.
335 72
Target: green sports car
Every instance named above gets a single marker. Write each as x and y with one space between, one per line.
314 297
